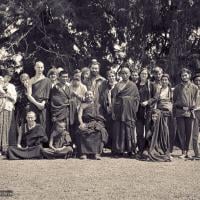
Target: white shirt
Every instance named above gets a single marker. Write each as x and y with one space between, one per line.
9 105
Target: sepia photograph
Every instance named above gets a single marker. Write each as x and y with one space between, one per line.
99 99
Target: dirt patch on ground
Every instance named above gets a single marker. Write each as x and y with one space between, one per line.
106 179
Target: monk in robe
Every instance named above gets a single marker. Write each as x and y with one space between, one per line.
91 134
30 143
158 137
39 95
60 145
63 107
125 100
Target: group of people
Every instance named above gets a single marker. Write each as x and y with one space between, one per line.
134 114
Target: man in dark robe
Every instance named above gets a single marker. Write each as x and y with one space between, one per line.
30 143
63 107
125 98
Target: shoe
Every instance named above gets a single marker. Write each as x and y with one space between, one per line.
131 155
83 157
97 157
182 156
188 156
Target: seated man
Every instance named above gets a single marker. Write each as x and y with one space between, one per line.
30 143
60 143
91 134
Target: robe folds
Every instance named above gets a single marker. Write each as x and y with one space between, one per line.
63 107
41 92
60 140
91 139
158 137
32 142
124 109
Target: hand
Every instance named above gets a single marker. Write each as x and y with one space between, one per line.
41 107
19 146
82 125
144 103
185 108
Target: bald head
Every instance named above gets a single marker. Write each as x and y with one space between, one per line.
125 73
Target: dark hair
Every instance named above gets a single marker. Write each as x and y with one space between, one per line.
196 76
185 70
63 72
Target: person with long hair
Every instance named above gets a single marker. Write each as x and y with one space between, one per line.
158 136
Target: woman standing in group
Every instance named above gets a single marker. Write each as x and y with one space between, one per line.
7 124
22 105
53 76
105 101
147 93
41 87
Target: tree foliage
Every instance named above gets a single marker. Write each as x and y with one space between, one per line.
69 33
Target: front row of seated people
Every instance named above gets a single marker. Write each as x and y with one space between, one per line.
90 136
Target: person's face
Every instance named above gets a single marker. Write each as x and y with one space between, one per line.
7 78
24 79
53 77
185 77
144 75
197 81
134 76
64 78
158 75
60 127
30 118
125 74
154 117
165 81
94 69
111 78
89 97
39 68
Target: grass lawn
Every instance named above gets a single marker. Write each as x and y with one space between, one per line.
106 179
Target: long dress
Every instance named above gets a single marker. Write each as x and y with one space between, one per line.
7 120
41 92
33 140
91 139
158 137
60 140
125 106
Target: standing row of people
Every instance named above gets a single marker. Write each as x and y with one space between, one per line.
134 116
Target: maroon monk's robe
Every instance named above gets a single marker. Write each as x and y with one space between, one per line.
60 140
32 140
41 92
63 107
92 138
125 106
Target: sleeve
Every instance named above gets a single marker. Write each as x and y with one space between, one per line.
13 92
